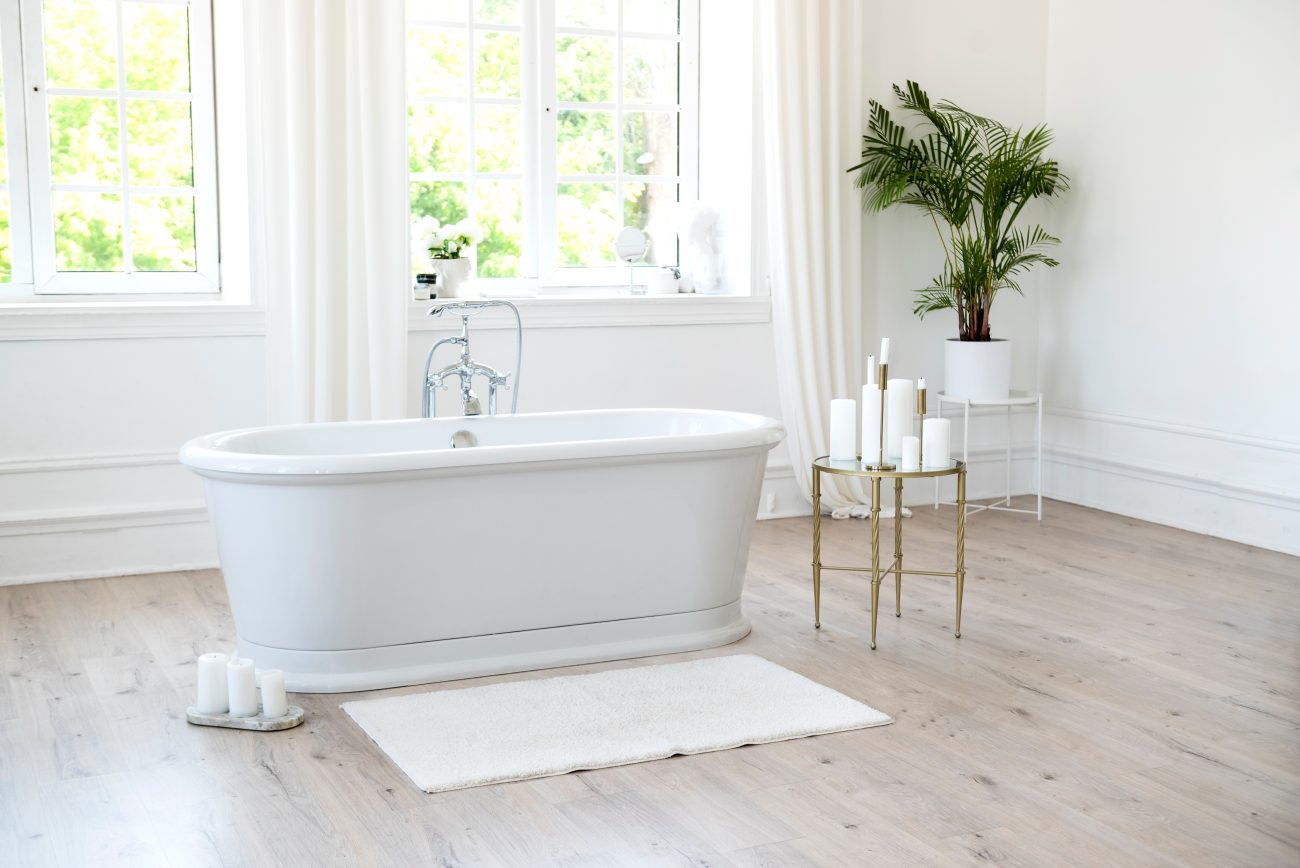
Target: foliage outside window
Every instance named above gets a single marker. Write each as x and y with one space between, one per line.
551 124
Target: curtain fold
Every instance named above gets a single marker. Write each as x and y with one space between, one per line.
327 118
813 112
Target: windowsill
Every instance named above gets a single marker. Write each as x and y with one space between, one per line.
591 307
66 319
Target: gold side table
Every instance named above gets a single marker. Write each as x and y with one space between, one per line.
856 468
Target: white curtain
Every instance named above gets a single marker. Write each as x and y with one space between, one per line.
327 122
814 111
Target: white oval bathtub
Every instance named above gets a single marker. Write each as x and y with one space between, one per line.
360 555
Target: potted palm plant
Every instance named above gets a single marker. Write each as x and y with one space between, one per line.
973 177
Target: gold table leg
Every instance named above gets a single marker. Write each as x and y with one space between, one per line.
817 547
898 547
961 545
875 556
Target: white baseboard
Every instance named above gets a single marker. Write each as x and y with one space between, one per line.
1236 487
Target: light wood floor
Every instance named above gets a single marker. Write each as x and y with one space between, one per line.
1123 694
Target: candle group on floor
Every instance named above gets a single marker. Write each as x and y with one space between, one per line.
933 449
228 684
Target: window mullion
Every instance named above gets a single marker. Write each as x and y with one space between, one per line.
15 119
530 112
128 256
548 239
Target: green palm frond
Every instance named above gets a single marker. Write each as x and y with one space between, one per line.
975 176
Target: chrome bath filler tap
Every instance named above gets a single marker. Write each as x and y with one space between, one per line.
465 369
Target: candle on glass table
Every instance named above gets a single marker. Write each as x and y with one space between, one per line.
871 370
900 405
936 442
884 351
213 697
274 702
242 687
911 453
844 429
871 423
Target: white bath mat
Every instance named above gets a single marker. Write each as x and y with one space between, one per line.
517 730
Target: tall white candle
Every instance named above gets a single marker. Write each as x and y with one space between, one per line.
871 423
936 442
844 429
911 453
213 698
884 351
242 686
900 408
274 702
871 370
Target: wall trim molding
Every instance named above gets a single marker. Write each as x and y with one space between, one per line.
123 320
1175 428
640 310
62 463
116 518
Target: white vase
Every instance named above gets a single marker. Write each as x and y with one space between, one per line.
977 370
451 274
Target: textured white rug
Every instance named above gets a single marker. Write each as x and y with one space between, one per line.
517 730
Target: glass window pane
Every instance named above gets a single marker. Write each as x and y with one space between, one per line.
446 200
162 233
436 10
87 231
157 42
83 140
497 139
650 71
496 64
500 215
435 61
158 144
598 14
652 207
584 68
650 16
6 256
81 43
4 152
437 138
650 143
584 142
496 11
587 220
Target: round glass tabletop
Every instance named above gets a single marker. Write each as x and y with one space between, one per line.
855 468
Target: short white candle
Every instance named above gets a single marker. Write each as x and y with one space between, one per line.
844 429
911 453
936 442
884 351
274 702
242 687
213 698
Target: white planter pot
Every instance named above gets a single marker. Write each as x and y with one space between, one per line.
977 370
451 274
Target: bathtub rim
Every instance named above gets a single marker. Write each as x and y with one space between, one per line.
207 456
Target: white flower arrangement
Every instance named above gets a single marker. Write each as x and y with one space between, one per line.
429 237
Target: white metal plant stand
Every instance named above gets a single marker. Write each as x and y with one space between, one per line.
1014 400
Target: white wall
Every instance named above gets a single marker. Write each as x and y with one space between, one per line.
89 484
1168 334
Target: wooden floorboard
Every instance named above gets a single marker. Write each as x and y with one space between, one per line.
1123 694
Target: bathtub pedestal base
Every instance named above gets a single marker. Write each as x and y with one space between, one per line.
474 656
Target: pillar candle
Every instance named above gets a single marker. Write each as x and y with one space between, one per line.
936 442
242 687
844 429
274 702
871 423
213 698
900 406
911 453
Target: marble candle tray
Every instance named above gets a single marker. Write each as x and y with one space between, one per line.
259 723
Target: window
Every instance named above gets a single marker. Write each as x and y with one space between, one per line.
108 108
552 124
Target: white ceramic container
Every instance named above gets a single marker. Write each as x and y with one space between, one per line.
361 555
977 370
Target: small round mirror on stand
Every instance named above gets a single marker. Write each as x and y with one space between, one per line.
630 246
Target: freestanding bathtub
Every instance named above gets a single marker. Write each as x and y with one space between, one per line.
361 555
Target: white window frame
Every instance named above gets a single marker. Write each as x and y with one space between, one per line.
539 244
28 68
